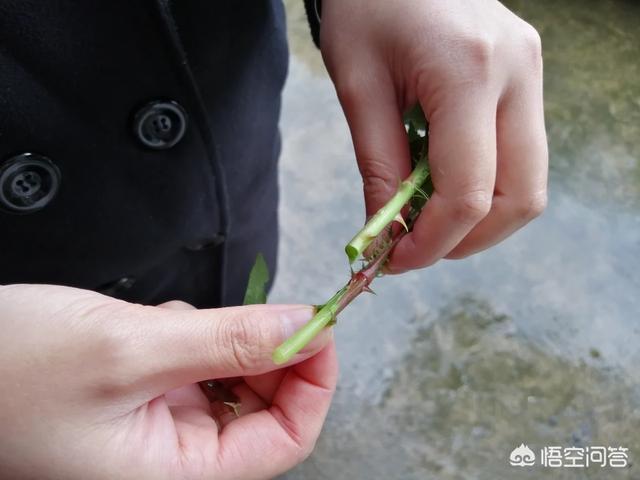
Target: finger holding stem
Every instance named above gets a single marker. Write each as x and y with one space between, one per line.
388 212
411 193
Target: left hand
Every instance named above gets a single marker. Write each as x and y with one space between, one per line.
476 70
97 388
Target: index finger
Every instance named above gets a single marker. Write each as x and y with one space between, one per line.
462 158
272 441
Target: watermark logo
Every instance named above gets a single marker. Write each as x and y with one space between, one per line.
570 457
522 456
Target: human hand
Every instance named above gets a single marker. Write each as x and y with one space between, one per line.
476 70
98 388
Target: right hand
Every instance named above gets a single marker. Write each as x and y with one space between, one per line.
98 388
476 70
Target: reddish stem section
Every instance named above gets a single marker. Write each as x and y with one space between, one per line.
361 279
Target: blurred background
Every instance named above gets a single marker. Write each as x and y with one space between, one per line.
536 341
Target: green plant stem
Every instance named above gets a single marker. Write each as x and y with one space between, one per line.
388 212
359 283
304 335
412 192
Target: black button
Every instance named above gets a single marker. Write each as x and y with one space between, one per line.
28 182
160 124
205 244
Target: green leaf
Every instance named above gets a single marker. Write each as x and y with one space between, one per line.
418 133
256 287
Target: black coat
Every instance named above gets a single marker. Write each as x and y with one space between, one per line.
139 144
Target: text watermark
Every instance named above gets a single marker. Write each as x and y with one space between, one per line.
570 457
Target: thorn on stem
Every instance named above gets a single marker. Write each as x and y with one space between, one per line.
398 218
235 406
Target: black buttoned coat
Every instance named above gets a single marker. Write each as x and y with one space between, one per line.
139 145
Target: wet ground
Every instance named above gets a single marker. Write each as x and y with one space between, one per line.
536 341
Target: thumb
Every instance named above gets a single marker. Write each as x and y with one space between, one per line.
178 346
379 138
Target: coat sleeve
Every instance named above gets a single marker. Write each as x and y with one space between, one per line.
314 14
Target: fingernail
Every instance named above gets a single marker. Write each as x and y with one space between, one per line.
295 318
319 341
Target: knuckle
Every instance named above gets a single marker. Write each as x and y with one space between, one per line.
299 450
375 186
472 206
305 450
481 51
532 206
376 177
173 304
349 87
532 45
303 446
532 39
176 305
241 341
